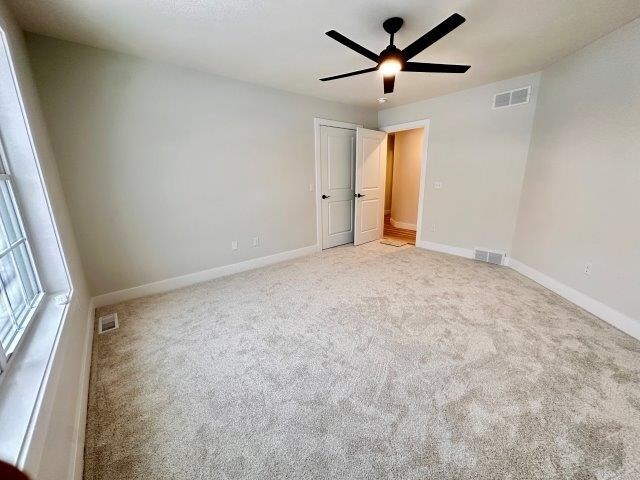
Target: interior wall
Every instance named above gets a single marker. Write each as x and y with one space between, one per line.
388 179
407 163
56 421
580 202
478 155
164 167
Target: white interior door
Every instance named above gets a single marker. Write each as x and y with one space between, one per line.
371 161
337 160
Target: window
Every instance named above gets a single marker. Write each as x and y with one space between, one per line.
20 289
34 306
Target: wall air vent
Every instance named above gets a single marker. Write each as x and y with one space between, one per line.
108 323
489 256
512 97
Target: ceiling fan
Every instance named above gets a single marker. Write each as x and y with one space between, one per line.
393 60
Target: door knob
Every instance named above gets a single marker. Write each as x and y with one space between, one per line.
325 196
358 195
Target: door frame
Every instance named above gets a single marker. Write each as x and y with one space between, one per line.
317 123
400 127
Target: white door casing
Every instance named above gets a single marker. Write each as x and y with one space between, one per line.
371 158
337 165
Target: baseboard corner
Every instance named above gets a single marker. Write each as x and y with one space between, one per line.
606 313
403 225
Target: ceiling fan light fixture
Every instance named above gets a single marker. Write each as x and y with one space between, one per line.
392 60
390 67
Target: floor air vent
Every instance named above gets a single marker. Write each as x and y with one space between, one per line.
108 323
497 258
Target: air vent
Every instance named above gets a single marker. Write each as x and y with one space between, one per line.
512 97
108 323
489 256
502 100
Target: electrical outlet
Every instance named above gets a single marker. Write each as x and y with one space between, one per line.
311 187
234 244
256 241
433 227
437 185
587 269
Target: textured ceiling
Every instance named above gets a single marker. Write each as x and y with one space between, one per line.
281 43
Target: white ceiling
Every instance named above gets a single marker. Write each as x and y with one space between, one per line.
281 43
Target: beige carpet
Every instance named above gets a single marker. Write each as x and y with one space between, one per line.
372 362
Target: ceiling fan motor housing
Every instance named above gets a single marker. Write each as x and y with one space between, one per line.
391 53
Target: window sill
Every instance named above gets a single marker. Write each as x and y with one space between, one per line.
23 384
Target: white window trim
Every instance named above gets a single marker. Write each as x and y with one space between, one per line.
26 386
6 354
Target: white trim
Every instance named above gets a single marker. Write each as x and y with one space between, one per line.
30 375
4 40
33 372
610 315
442 248
613 317
317 123
169 284
77 463
399 127
405 225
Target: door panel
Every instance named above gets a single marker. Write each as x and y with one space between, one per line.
371 158
340 173
369 215
337 159
371 167
340 217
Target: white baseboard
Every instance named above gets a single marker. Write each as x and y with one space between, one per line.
613 317
174 283
599 309
406 226
442 248
83 397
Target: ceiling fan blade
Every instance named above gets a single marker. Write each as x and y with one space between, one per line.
433 35
434 67
353 45
350 74
388 84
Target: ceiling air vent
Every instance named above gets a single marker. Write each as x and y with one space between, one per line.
108 323
489 256
512 97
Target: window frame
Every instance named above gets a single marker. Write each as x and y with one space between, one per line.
29 387
25 320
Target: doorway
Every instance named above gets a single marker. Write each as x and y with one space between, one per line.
402 186
351 182
422 126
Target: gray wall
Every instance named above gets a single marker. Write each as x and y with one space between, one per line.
581 196
163 167
62 395
479 155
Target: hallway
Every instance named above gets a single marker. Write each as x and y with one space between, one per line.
398 233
